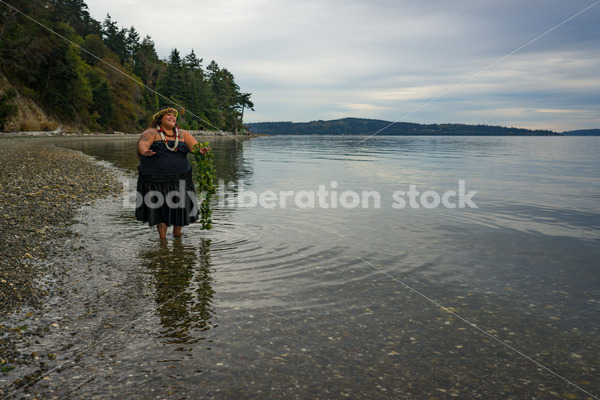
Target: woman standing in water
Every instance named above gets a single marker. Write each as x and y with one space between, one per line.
165 189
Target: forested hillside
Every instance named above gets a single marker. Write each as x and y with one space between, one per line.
90 81
583 132
362 126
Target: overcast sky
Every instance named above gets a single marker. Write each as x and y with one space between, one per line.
328 59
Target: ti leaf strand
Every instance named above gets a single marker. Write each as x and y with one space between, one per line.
205 179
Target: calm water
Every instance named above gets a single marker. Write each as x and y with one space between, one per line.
376 301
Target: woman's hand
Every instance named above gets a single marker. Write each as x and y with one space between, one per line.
148 153
196 149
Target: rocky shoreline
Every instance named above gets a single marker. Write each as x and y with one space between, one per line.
43 185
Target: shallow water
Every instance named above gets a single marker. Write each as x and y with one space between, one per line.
498 301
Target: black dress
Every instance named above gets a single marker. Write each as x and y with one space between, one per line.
165 188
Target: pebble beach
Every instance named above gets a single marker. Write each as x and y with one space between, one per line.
42 187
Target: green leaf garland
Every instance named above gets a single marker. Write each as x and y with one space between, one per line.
206 176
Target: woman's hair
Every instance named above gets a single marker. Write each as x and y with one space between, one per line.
156 122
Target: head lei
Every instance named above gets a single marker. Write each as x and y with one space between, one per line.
164 111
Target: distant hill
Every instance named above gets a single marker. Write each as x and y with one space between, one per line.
362 126
583 132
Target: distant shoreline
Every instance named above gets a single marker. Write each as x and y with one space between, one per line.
371 127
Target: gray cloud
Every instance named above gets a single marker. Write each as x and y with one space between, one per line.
382 59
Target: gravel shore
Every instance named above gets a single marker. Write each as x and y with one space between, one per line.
42 187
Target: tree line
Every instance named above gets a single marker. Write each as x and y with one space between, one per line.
365 127
94 78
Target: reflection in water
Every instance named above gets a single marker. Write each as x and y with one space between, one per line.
182 278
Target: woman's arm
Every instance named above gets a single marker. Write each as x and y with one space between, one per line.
188 139
145 141
191 142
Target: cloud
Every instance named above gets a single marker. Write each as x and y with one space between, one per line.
320 59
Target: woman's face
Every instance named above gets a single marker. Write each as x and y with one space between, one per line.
169 120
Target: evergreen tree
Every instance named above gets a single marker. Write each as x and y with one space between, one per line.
64 87
244 102
115 38
132 43
228 99
86 87
172 85
197 93
147 65
103 105
193 63
74 13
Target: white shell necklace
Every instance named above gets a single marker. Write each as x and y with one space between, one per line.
162 135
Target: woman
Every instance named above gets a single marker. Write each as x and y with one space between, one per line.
165 189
